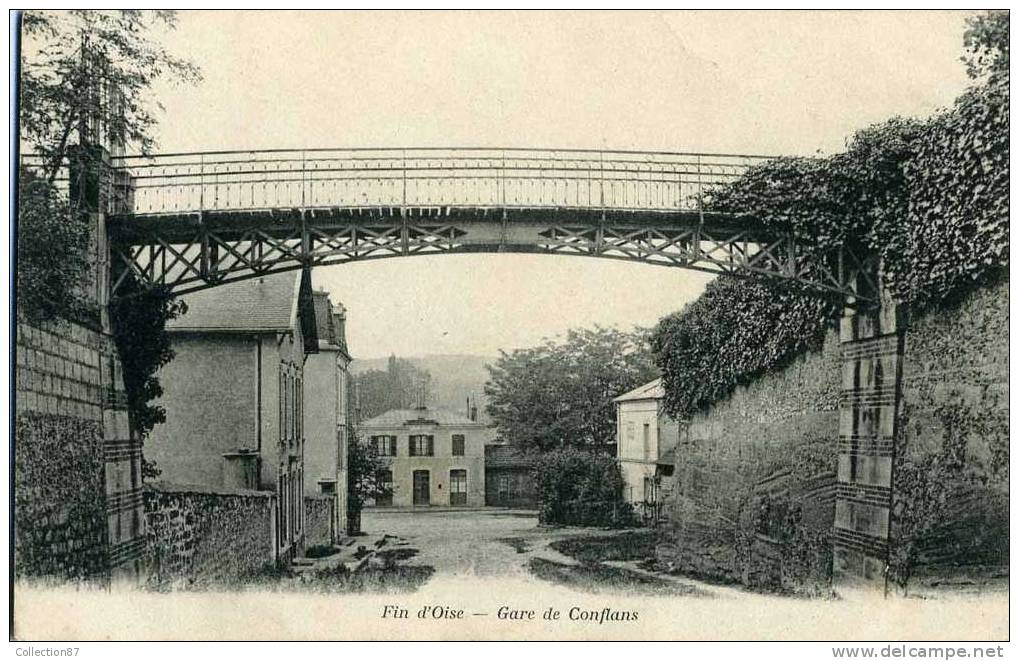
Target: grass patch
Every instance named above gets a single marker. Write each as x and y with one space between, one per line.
637 545
391 579
594 577
392 556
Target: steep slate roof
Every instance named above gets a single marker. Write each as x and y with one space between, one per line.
324 317
269 303
652 390
426 415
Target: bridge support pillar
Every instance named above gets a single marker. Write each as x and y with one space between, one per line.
122 448
872 343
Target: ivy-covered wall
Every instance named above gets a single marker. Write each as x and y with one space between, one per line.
928 199
950 496
753 499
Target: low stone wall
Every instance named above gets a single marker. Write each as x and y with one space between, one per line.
203 535
319 520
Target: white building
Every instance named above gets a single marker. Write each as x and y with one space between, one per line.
326 410
646 440
433 457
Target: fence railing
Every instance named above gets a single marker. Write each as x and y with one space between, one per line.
421 177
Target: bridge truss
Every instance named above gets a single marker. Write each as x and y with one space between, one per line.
191 221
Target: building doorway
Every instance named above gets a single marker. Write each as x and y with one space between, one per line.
422 488
458 487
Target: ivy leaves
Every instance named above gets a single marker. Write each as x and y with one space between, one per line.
954 234
736 331
51 255
929 197
139 329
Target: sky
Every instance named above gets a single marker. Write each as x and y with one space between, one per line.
796 83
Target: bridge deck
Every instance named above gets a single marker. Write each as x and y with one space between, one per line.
173 227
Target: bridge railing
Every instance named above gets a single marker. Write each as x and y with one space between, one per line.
421 177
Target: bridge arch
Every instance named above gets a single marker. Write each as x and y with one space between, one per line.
191 221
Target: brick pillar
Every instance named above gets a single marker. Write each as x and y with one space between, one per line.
872 343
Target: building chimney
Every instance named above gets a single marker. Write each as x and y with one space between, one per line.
472 408
420 394
356 392
340 325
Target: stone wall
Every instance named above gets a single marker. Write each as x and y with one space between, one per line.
60 502
77 482
753 493
950 503
320 520
77 472
755 482
198 536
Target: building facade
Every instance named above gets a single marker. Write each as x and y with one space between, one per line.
508 479
646 441
433 457
326 411
234 396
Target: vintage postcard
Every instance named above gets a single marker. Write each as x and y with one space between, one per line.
771 403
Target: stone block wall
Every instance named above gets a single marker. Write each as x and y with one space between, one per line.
755 482
199 536
320 520
77 470
753 494
950 496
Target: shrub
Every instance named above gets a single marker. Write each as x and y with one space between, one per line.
139 319
52 258
575 487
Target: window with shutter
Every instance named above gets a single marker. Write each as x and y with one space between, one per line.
421 445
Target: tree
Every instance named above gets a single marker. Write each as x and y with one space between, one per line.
401 385
986 44
363 467
79 70
560 393
85 75
85 69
